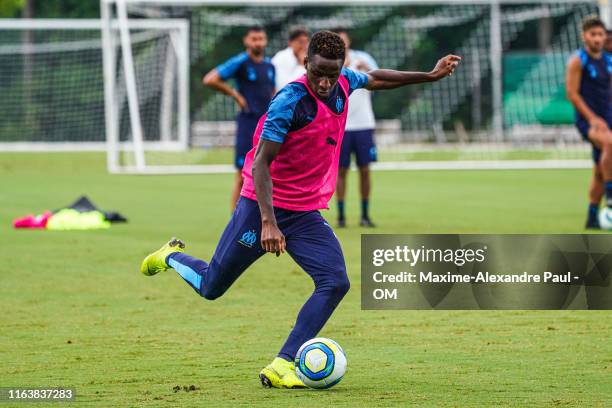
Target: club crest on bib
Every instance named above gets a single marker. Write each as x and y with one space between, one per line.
248 238
339 104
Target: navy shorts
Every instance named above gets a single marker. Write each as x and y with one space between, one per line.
245 128
583 127
311 242
360 142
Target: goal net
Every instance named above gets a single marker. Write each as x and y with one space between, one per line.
53 87
505 106
51 94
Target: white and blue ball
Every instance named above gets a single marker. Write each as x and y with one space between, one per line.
605 218
320 363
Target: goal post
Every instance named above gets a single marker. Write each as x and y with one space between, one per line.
178 37
504 108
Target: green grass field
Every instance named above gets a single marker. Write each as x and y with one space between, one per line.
76 312
224 155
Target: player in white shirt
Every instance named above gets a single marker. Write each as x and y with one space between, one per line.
358 136
289 63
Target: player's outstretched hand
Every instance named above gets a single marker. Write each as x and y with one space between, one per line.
446 66
272 239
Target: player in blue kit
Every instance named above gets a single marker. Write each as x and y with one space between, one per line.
597 189
358 135
289 175
588 88
254 77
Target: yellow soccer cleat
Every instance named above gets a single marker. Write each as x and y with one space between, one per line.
280 374
156 262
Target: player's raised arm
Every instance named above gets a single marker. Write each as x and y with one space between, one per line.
389 79
572 90
272 239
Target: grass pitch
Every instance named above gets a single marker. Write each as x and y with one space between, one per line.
76 312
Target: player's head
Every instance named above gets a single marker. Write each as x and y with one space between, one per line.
255 39
324 62
593 33
298 39
608 42
343 33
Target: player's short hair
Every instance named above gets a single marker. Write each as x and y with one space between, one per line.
255 28
326 44
592 22
297 32
340 30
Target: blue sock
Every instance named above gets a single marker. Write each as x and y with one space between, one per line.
364 209
609 193
592 214
340 210
315 312
192 270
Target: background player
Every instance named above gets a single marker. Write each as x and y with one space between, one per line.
608 43
289 175
289 63
358 136
597 188
588 88
254 76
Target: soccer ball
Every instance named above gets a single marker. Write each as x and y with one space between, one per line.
605 218
320 363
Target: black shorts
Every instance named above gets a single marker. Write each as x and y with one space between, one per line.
245 128
360 142
583 127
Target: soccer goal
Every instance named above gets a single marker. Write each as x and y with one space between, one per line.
505 106
53 86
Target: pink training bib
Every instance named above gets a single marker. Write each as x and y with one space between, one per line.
304 171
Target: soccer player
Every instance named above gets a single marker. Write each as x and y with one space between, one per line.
254 76
289 176
289 63
588 89
358 136
608 43
597 188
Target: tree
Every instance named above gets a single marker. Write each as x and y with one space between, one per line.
66 8
50 8
10 8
